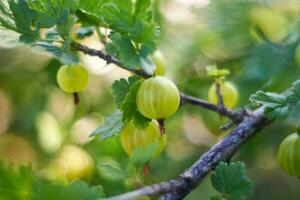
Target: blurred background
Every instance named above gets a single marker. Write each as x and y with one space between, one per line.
258 41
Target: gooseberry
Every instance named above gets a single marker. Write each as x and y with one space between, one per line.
228 91
157 98
289 154
72 78
133 138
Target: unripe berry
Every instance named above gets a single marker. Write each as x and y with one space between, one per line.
158 98
72 78
133 138
289 154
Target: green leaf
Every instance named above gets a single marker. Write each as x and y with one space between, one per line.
23 17
118 15
77 190
231 180
120 89
268 99
112 126
89 12
124 93
15 183
276 104
122 48
143 10
129 108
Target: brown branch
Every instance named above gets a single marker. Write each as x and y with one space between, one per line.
181 186
219 95
109 59
235 116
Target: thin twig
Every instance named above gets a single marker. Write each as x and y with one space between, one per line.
219 95
236 116
185 99
109 59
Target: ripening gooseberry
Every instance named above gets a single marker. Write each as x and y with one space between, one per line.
157 98
133 138
289 154
229 93
73 78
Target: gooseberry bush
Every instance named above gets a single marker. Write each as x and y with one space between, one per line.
145 101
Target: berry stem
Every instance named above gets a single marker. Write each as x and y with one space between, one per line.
162 129
146 169
76 97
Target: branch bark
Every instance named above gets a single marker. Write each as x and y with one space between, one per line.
181 186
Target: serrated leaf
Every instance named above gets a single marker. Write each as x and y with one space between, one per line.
120 89
129 108
89 12
231 180
23 17
276 105
122 48
268 99
112 126
118 15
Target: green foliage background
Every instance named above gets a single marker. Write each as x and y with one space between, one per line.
222 33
